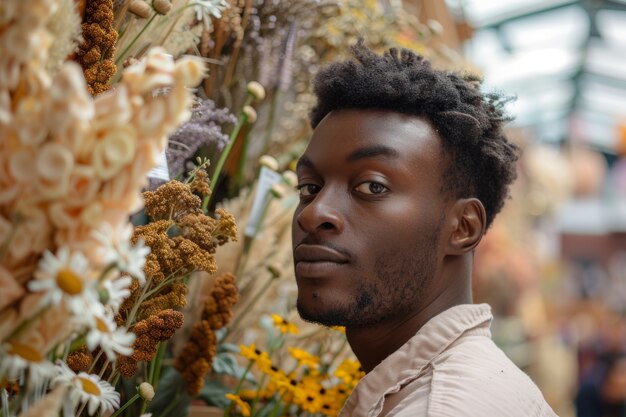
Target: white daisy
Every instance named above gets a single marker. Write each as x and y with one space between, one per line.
88 388
16 357
114 291
117 249
63 277
104 332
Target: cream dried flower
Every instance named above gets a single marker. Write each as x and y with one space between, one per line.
269 161
256 90
139 8
114 151
250 114
146 391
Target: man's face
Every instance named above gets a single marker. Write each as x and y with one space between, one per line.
366 234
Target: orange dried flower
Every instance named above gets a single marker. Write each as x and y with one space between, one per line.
96 52
173 206
226 229
172 296
196 356
79 360
150 332
201 183
171 201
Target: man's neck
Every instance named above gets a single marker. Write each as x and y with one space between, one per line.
373 344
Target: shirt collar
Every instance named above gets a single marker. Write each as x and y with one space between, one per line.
406 363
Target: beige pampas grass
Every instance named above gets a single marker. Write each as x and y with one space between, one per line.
64 26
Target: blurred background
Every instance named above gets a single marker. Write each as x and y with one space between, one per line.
554 265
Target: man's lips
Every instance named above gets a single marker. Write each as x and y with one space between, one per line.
317 260
318 253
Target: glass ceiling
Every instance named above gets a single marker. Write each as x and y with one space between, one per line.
564 59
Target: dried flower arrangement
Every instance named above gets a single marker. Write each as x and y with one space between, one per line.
99 315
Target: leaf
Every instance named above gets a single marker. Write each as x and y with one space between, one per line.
227 347
226 363
214 393
170 390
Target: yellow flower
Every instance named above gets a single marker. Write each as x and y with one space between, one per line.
262 359
349 371
243 406
309 400
283 325
304 358
251 394
285 385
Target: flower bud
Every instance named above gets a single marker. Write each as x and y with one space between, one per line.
269 162
290 178
139 8
250 113
162 6
256 90
146 391
278 190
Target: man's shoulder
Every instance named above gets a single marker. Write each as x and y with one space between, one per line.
475 378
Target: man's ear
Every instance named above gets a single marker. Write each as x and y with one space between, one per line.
469 222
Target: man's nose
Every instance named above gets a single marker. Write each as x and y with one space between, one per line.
322 214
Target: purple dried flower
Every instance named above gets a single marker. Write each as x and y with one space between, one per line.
203 128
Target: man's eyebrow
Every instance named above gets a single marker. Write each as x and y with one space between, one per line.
372 152
304 162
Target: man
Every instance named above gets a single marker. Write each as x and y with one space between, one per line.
405 171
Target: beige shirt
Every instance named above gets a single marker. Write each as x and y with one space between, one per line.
450 368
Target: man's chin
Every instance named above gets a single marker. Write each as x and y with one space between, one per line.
331 317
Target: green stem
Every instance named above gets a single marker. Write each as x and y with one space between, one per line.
120 58
258 394
158 364
238 387
241 164
125 406
276 408
220 163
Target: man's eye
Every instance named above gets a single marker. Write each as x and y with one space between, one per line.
370 187
306 190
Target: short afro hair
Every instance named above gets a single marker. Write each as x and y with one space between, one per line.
470 123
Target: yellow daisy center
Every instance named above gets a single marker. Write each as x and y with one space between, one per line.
89 386
25 352
69 282
101 325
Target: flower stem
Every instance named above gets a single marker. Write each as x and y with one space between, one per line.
276 408
129 402
158 364
238 387
120 58
220 163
